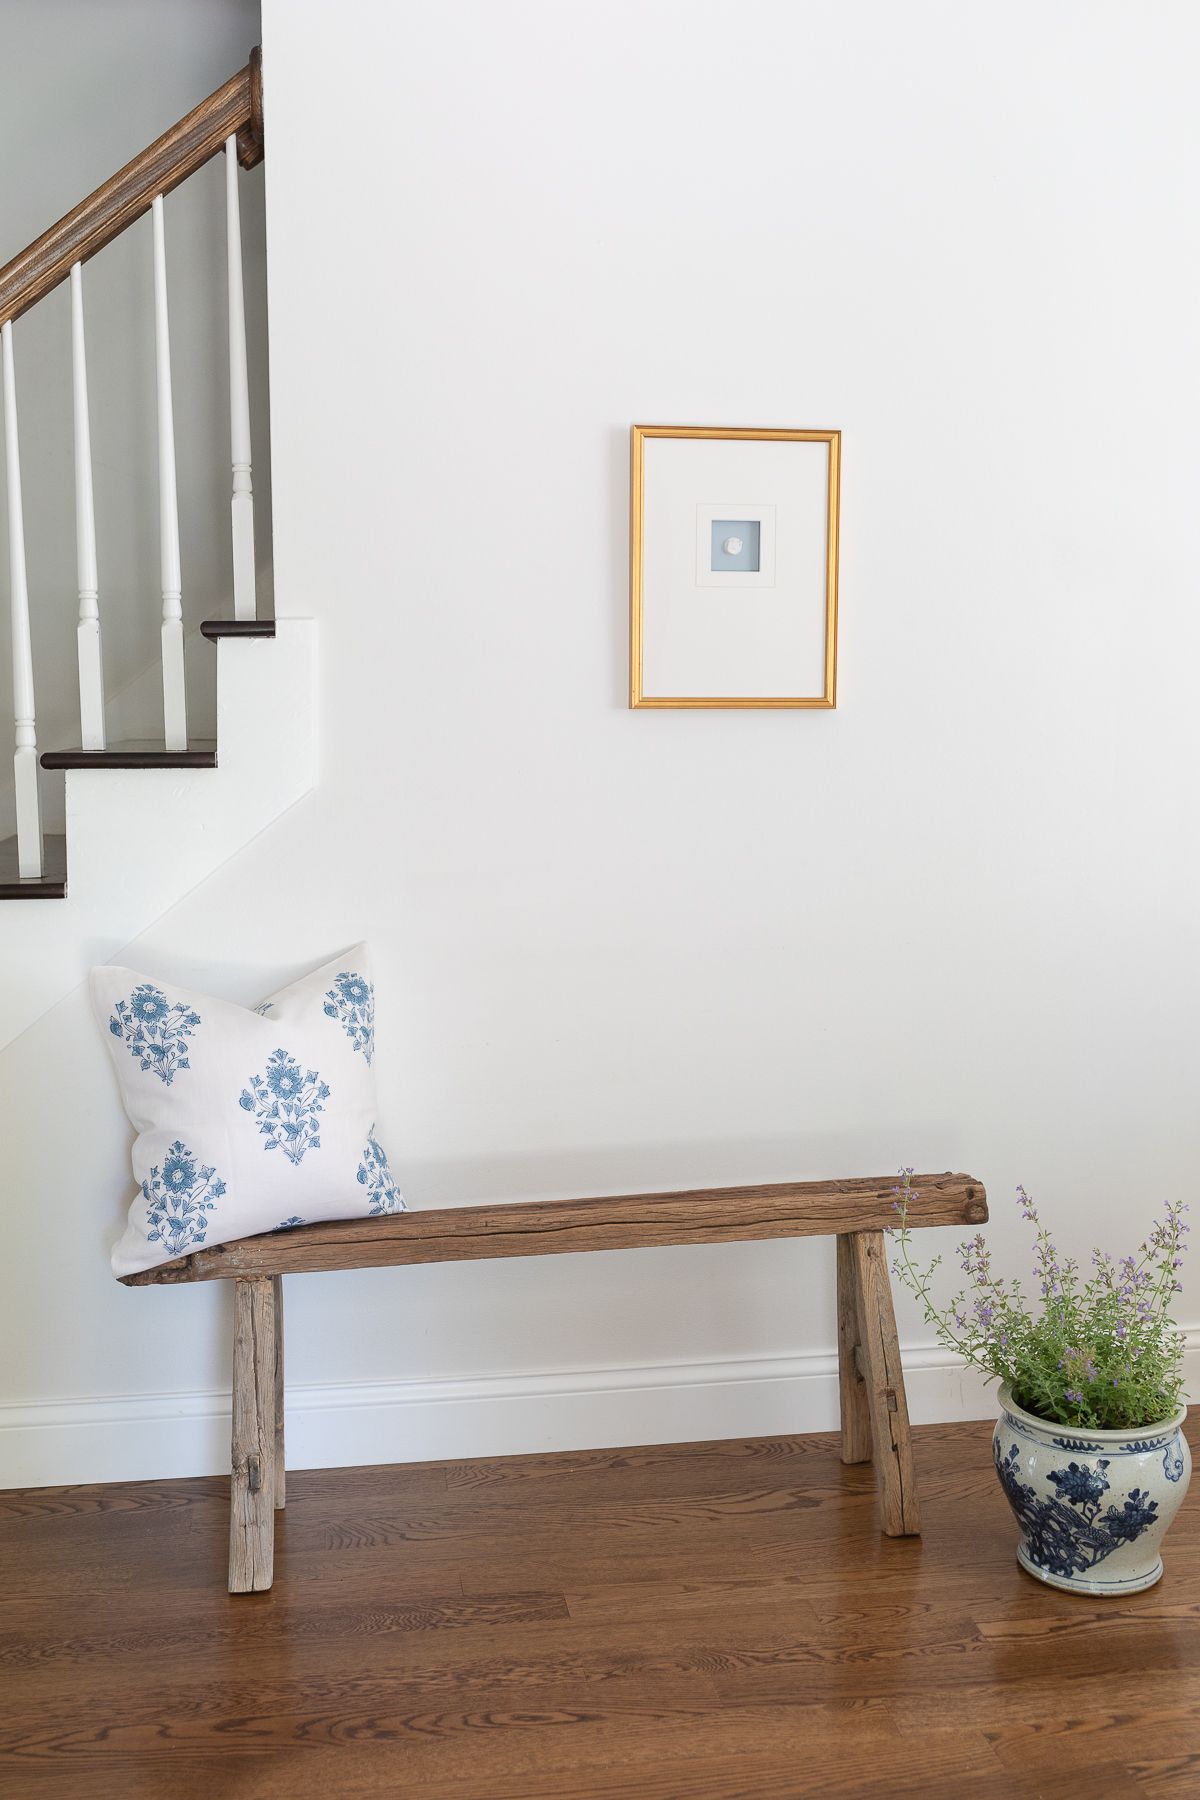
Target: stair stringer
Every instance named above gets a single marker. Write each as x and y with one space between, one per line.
138 840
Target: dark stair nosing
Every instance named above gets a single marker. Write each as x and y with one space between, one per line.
202 755
213 629
51 884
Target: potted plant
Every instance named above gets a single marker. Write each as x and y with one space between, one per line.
1088 1447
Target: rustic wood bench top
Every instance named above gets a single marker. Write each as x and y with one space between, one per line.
549 1227
857 1212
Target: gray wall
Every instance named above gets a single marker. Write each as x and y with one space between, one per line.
83 87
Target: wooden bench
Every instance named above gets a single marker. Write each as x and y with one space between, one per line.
874 1410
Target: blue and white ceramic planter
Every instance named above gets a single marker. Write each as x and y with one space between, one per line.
1093 1506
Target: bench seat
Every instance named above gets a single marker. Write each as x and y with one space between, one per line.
548 1227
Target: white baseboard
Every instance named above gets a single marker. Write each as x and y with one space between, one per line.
145 1437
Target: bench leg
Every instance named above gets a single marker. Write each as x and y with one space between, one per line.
252 1486
856 1411
280 1477
878 1361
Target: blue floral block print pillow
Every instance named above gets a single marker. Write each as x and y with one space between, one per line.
249 1119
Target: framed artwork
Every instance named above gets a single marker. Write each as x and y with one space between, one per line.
733 566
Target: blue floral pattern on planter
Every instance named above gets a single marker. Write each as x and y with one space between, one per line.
1070 1534
288 1224
287 1102
155 1031
383 1196
351 1000
178 1198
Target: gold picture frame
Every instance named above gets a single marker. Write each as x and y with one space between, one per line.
827 698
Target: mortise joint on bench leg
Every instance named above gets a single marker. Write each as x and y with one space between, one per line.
252 1481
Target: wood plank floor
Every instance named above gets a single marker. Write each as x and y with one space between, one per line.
692 1622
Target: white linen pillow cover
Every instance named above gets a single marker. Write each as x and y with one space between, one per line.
249 1119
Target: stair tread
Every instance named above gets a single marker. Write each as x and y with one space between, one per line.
50 885
135 754
237 628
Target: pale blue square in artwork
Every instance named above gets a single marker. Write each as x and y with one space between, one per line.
735 546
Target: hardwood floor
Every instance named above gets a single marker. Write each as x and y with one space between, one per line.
692 1622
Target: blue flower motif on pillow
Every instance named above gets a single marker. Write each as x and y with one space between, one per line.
383 1196
351 1000
287 1102
178 1197
155 1031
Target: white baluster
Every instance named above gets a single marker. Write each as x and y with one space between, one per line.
174 691
25 759
91 663
244 605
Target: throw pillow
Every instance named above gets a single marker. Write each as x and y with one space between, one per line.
249 1119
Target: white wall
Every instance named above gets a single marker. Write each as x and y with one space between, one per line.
84 86
953 923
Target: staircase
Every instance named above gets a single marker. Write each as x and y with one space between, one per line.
144 821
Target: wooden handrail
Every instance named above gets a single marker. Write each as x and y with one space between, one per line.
235 109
